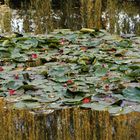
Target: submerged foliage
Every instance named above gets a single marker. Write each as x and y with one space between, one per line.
89 68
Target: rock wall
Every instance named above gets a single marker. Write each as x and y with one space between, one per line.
67 124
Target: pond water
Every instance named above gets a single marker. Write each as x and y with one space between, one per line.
39 17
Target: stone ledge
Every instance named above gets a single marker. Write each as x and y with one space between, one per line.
67 124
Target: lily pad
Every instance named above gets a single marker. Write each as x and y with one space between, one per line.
132 94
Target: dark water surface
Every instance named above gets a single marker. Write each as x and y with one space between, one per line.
41 16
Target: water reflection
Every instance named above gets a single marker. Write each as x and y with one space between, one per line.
43 16
122 17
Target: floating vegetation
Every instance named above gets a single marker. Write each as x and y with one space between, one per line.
88 68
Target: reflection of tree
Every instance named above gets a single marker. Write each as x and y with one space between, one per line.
14 4
37 18
98 14
68 12
26 22
111 8
5 19
87 13
131 21
41 15
122 17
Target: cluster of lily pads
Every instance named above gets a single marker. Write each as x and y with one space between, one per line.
89 68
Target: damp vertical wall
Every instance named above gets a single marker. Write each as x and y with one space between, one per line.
67 124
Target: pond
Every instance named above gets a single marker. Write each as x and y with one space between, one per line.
69 84
39 17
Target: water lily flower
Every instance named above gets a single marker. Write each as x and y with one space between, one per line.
104 65
62 41
86 100
65 85
106 87
83 48
12 92
69 82
1 69
34 56
16 76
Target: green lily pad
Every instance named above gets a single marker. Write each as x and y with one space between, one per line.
23 105
101 71
95 106
115 110
132 94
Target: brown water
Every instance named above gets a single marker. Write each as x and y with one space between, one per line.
117 16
